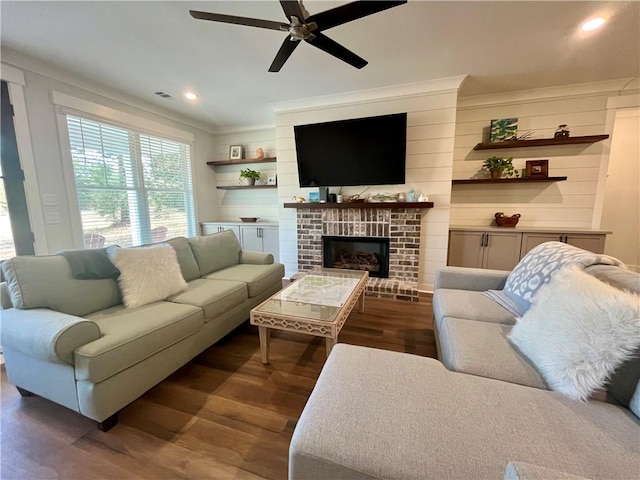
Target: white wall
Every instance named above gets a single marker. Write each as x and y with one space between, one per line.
621 212
570 203
431 108
231 204
40 83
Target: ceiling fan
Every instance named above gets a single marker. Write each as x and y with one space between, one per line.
309 28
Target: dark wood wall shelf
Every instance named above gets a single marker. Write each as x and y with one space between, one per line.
244 161
468 181
244 187
540 142
391 205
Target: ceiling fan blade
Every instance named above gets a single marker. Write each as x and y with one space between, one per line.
350 11
333 48
287 48
251 22
292 9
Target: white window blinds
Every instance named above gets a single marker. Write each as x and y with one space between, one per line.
133 188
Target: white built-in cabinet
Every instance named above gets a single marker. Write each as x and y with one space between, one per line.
502 248
254 237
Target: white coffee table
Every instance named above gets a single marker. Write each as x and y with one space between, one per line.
316 304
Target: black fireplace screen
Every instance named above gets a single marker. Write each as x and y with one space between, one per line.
357 253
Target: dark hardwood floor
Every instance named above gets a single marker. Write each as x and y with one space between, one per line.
223 415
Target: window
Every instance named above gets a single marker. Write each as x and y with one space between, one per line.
133 188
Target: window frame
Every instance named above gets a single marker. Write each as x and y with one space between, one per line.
67 105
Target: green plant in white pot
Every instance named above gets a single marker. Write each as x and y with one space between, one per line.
249 175
500 167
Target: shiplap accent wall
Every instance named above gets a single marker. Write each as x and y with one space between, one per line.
431 109
566 204
232 204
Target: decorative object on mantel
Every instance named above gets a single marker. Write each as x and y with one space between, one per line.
524 136
383 197
249 175
249 219
423 198
499 167
411 195
504 221
299 199
314 197
537 168
503 129
235 152
260 153
562 131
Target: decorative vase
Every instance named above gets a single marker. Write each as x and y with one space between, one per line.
251 181
496 172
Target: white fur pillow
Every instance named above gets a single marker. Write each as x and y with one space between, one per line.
147 274
578 331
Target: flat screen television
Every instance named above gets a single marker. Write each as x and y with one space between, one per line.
361 151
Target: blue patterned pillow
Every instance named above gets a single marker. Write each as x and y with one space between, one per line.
536 268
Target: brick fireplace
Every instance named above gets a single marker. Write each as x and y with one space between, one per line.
401 226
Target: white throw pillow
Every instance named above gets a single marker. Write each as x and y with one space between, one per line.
578 331
147 274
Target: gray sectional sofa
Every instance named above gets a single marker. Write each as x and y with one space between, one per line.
483 412
72 340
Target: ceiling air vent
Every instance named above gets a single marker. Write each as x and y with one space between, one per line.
162 94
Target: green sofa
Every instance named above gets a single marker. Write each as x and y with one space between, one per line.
73 342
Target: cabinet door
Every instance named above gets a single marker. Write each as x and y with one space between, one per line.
502 250
210 228
465 249
532 240
592 242
251 239
271 241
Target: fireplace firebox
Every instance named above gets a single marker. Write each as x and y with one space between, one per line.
357 253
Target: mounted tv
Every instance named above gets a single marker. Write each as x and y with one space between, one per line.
361 151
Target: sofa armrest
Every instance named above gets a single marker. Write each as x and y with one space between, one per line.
256 258
46 334
5 298
475 279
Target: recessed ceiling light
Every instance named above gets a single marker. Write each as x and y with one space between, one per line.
190 96
593 24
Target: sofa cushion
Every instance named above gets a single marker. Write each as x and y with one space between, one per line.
471 305
257 277
46 282
147 274
213 296
481 348
214 252
187 261
129 335
379 414
579 331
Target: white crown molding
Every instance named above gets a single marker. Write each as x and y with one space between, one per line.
519 96
624 101
257 128
19 61
430 87
11 74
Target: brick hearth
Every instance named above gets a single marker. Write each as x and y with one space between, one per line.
400 225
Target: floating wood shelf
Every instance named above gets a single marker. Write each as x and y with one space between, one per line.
244 187
540 142
244 161
468 181
391 205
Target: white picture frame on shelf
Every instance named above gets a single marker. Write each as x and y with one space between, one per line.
235 152
272 179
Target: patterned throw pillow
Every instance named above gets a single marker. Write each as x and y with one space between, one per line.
537 267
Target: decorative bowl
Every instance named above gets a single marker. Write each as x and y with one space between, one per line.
249 219
503 221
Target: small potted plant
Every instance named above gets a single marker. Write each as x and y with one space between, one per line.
499 167
250 175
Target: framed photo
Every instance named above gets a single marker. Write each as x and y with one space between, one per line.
235 152
503 129
272 179
537 168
